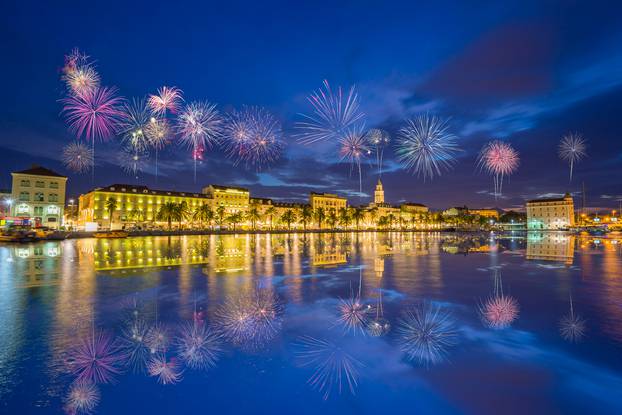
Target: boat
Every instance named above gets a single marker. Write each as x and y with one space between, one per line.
18 235
111 234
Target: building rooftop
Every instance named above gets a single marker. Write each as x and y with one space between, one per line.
37 170
136 189
552 199
219 187
414 204
327 195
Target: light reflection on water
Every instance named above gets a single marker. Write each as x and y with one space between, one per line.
336 322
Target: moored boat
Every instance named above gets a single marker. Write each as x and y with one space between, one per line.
111 234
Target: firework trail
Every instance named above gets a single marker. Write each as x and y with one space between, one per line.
133 124
198 346
426 146
253 136
572 149
134 343
199 125
133 160
82 398
78 157
97 359
378 139
333 113
353 147
572 326
499 310
333 367
251 321
168 371
499 159
426 332
379 326
166 99
79 74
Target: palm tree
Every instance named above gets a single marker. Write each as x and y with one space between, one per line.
383 222
183 212
357 215
111 206
391 220
344 217
220 215
288 217
373 214
306 215
168 212
203 213
253 215
137 214
331 218
320 215
235 218
270 212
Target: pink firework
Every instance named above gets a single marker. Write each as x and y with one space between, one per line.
94 116
97 359
168 372
80 74
499 311
83 398
499 159
353 314
167 99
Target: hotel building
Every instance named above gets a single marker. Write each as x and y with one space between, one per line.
550 214
38 197
327 201
234 199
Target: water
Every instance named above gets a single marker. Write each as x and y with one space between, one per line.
276 309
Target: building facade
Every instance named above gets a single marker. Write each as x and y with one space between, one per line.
38 197
550 214
233 199
327 201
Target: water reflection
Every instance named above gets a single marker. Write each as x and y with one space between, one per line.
168 308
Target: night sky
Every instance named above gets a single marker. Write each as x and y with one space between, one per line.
523 71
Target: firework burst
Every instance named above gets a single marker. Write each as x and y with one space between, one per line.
333 113
426 333
96 359
353 314
198 346
426 146
166 99
168 371
78 157
134 344
378 140
158 132
133 124
499 159
158 338
79 74
499 310
133 160
353 148
572 149
572 326
82 398
333 367
199 125
253 136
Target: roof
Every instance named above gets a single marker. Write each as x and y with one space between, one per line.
413 204
129 188
263 200
37 170
219 187
553 199
333 195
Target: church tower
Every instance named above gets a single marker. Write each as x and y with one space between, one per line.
379 193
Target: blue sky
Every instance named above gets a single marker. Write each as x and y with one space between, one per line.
527 72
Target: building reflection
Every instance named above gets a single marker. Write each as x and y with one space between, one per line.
551 246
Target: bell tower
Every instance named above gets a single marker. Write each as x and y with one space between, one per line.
379 193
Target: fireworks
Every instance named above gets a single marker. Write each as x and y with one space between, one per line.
426 146
253 136
79 74
353 147
97 359
83 398
572 149
78 157
133 160
572 326
333 114
158 132
426 333
333 367
134 344
198 346
158 338
95 115
499 159
251 321
499 311
167 99
353 314
133 124
378 327
378 139
199 126
168 372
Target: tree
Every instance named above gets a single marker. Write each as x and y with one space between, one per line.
320 215
357 216
253 215
137 214
331 219
288 217
220 215
391 219
168 212
383 222
373 214
344 217
111 206
270 212
235 219
203 213
306 215
183 212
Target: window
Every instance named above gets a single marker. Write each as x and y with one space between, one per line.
52 210
39 197
23 208
38 210
39 183
52 219
24 183
53 197
53 185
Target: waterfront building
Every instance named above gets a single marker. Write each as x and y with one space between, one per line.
327 201
550 214
38 197
234 199
455 211
5 205
485 213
